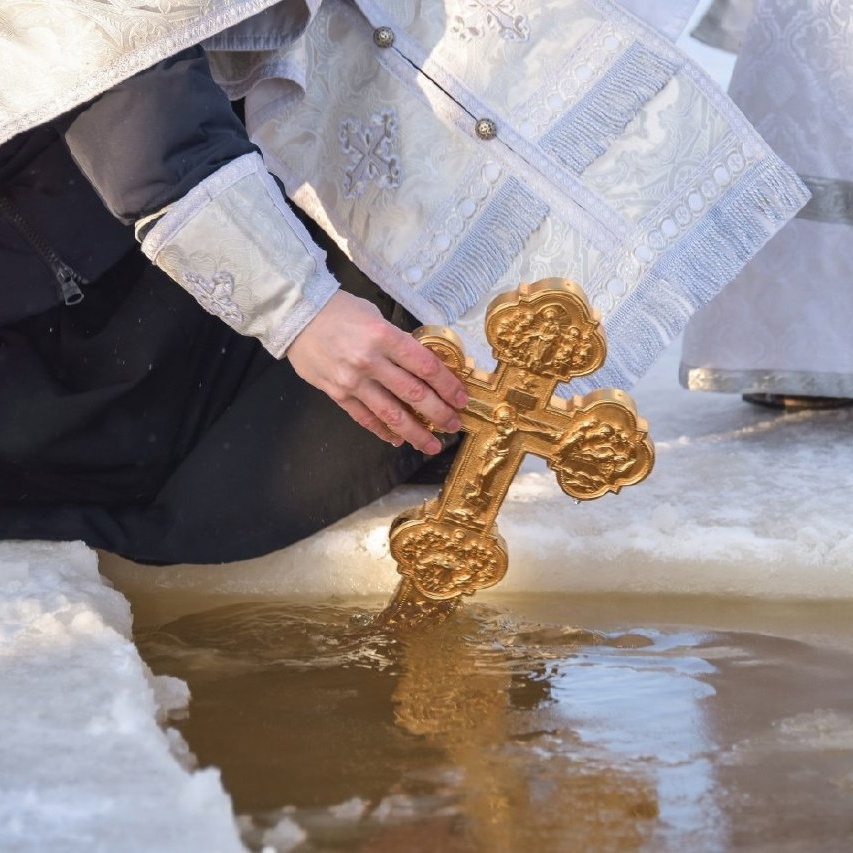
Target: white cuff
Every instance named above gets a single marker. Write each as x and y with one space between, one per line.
234 244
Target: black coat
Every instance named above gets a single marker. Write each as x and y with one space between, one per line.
133 419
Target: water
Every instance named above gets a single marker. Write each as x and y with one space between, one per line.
661 724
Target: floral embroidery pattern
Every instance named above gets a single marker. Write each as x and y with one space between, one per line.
215 294
370 153
475 17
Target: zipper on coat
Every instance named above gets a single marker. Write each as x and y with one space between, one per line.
68 280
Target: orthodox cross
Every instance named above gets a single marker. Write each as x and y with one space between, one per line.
541 334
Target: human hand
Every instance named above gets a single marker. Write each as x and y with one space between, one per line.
380 375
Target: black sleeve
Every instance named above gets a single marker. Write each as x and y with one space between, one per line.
149 140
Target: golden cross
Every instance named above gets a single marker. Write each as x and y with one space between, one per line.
541 334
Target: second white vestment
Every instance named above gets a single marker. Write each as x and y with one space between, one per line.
783 326
455 148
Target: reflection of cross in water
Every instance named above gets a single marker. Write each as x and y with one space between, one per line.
541 334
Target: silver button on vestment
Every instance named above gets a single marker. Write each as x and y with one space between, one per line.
383 36
486 129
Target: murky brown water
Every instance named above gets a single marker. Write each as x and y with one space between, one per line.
508 729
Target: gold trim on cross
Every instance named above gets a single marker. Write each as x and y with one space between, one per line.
541 334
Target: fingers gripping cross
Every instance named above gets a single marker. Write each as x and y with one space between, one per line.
541 334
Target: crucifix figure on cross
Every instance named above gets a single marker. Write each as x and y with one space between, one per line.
541 334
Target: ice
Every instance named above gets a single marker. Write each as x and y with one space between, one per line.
742 501
85 765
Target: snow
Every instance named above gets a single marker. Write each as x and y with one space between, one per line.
85 763
742 502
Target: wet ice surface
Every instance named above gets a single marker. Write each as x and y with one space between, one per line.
743 501
505 730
